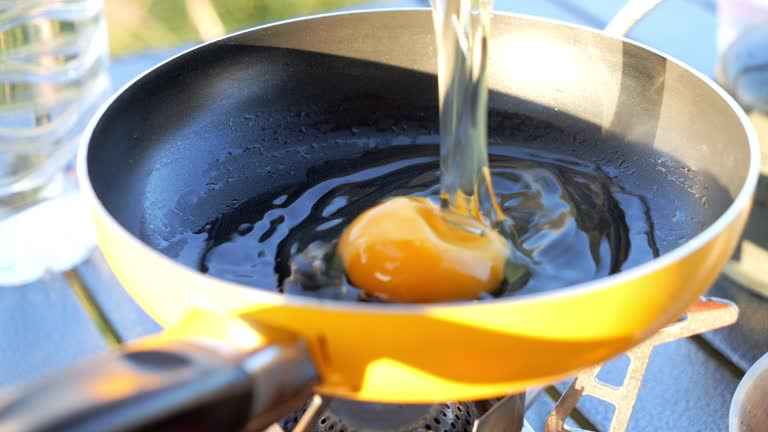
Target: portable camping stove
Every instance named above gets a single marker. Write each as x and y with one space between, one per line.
322 414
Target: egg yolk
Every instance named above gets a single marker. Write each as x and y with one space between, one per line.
408 250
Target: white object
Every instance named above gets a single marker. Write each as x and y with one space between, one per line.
54 235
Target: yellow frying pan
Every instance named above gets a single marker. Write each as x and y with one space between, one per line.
149 158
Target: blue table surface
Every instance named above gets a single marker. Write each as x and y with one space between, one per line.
688 385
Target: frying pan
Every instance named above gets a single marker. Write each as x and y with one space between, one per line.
177 147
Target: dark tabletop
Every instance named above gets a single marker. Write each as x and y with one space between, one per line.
689 383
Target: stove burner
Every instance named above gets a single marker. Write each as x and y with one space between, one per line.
350 416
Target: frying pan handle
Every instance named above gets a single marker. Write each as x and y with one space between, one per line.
166 385
626 18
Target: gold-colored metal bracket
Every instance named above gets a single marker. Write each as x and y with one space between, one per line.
705 315
309 419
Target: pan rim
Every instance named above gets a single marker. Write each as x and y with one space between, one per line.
697 242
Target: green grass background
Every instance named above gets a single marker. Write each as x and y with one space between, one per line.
139 25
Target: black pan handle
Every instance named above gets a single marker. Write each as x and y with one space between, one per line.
169 385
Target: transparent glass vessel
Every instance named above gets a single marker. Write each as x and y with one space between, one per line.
53 75
742 42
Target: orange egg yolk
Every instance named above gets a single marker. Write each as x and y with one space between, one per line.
408 250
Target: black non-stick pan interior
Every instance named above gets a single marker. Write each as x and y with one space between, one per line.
229 127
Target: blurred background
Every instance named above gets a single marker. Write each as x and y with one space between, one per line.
136 25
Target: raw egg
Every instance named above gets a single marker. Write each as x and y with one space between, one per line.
407 249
